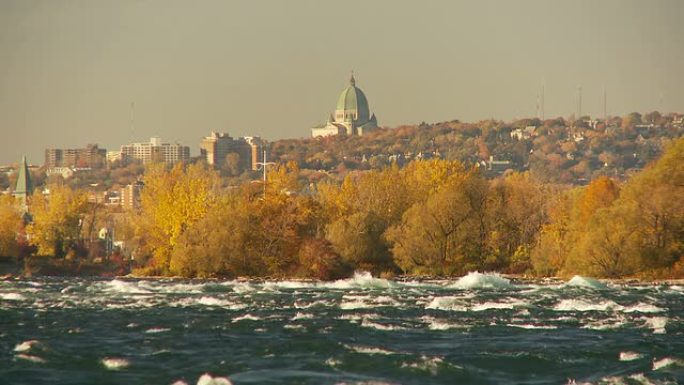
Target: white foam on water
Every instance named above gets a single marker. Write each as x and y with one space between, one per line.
426 364
532 326
243 287
630 356
356 318
332 362
319 303
360 280
294 327
366 323
658 324
119 286
28 357
300 316
476 280
12 297
437 324
372 382
355 304
606 324
447 303
207 379
580 305
368 349
246 317
211 301
643 308
498 305
586 282
113 363
26 346
667 362
157 330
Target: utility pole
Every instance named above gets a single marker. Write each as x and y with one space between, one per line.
263 165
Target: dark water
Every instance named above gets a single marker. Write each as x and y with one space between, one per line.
357 331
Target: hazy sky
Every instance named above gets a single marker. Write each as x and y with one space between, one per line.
69 70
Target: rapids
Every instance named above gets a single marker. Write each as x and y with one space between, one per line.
479 329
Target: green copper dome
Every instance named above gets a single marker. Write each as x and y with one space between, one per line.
353 104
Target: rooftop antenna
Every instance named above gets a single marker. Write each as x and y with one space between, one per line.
579 102
542 102
605 105
132 121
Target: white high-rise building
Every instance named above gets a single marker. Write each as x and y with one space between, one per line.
155 151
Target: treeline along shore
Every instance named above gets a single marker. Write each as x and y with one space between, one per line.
429 217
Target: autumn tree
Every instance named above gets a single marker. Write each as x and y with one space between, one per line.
515 217
10 225
442 235
171 201
57 220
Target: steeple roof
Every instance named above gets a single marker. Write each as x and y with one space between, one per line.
24 183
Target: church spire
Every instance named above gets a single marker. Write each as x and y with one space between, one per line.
24 186
352 81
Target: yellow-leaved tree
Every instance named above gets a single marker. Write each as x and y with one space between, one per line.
170 202
10 225
57 220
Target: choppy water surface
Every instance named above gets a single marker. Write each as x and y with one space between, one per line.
478 330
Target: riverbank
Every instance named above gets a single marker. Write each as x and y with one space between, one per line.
52 267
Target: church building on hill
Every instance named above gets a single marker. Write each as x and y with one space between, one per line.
352 115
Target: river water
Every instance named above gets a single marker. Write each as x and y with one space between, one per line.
480 329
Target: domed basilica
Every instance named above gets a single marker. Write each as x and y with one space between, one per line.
352 115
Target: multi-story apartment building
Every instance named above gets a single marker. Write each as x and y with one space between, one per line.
215 147
92 157
155 151
130 195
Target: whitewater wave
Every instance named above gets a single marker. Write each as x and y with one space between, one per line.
26 346
366 323
246 317
657 324
124 287
438 324
301 316
12 297
361 280
498 305
586 282
368 349
30 358
583 306
476 280
630 356
447 303
532 326
667 362
207 379
113 363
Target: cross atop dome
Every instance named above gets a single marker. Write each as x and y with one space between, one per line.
352 81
